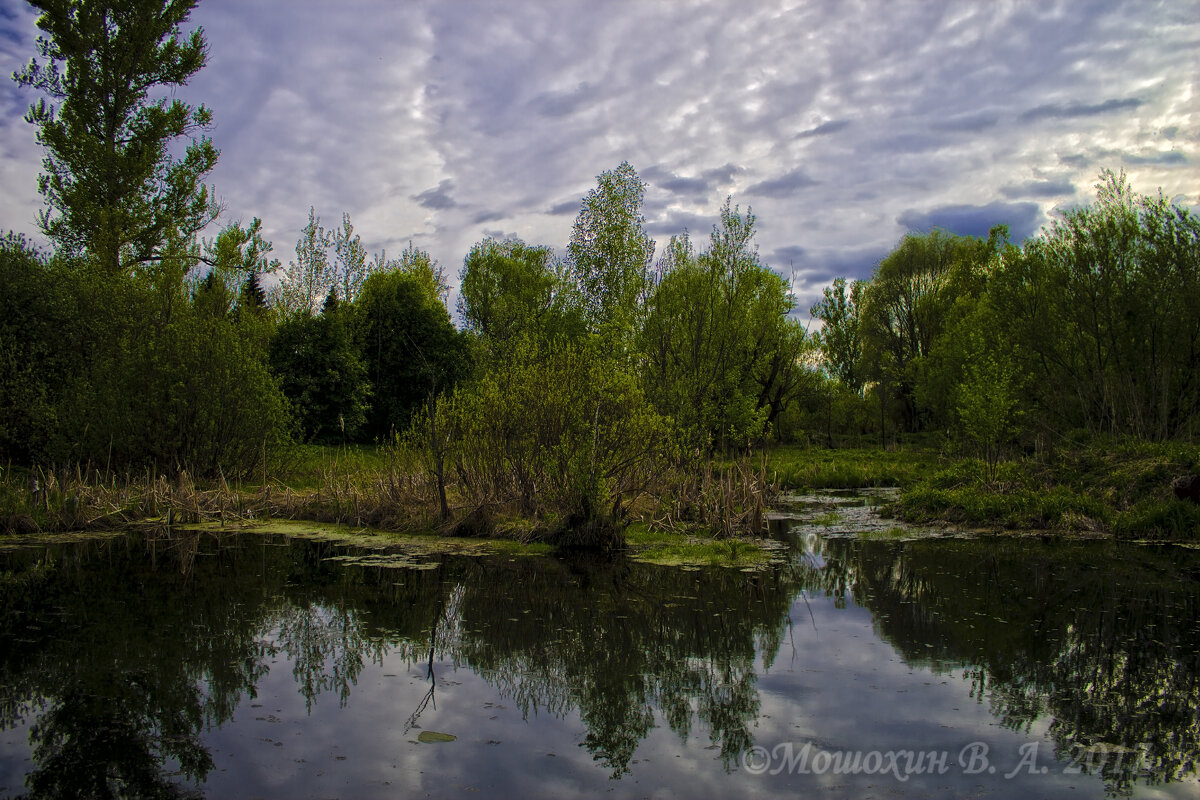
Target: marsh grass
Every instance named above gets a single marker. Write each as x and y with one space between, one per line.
667 548
387 488
891 534
827 519
725 499
851 468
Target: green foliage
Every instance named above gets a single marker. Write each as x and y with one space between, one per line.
509 288
1159 519
409 345
322 373
1122 486
609 254
578 450
418 264
848 468
36 313
175 381
905 308
987 406
841 338
721 355
113 188
307 280
350 267
1105 307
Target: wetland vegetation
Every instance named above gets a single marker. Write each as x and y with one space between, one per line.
147 371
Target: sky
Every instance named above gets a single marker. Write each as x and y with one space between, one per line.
841 124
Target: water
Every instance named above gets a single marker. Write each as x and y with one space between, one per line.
260 666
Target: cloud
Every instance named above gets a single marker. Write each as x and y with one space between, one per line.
565 207
1073 110
783 186
438 197
824 129
702 186
975 122
487 216
1022 219
674 223
1164 158
499 234
1043 188
561 104
834 120
783 256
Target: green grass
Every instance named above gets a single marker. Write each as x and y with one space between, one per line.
1159 519
423 544
307 466
828 518
852 468
891 534
676 549
1115 486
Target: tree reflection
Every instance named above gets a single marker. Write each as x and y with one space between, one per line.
1104 639
617 641
120 654
115 744
149 643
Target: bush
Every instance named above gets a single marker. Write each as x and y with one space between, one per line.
562 430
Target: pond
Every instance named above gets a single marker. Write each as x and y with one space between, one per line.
255 665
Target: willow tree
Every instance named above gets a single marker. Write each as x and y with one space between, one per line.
114 190
509 289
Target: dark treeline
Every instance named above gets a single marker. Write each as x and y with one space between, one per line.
138 345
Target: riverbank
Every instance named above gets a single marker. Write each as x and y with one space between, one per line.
1119 489
386 489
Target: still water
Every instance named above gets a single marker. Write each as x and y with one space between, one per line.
246 665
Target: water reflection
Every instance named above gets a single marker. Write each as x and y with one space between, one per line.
1101 639
120 656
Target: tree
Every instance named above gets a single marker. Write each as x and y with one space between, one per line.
1105 305
721 355
308 279
114 190
350 268
509 288
37 312
841 337
409 346
239 258
428 272
610 252
322 373
563 431
904 310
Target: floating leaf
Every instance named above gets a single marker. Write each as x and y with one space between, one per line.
430 737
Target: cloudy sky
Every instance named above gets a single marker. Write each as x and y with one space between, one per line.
842 124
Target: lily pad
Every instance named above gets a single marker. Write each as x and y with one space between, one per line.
430 737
